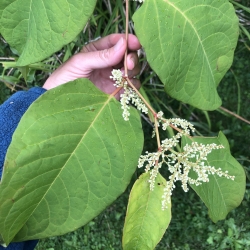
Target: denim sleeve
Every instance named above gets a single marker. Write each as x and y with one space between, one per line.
11 111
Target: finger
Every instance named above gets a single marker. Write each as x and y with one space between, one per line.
102 58
119 65
132 73
134 65
109 41
136 82
133 61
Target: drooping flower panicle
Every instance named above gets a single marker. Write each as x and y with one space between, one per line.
193 156
129 95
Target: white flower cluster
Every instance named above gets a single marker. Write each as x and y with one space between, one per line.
186 126
193 157
117 77
140 1
128 96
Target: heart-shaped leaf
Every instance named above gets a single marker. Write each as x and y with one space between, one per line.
145 221
37 29
220 194
71 156
190 45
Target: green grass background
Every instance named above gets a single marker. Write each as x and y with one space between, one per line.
190 227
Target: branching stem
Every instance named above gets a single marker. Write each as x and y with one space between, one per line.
140 95
126 67
126 37
116 91
132 85
157 133
125 78
235 115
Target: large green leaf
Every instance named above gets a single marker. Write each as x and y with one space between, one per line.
71 156
190 45
220 194
145 222
37 29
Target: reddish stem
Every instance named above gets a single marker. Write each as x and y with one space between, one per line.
126 37
139 94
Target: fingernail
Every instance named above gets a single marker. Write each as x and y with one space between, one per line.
133 62
119 44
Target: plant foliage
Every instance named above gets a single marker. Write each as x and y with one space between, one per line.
220 194
72 154
37 29
190 45
144 215
58 180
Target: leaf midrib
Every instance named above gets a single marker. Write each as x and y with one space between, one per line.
189 21
91 124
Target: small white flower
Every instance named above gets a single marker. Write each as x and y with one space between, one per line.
128 96
136 100
117 77
160 115
193 157
186 126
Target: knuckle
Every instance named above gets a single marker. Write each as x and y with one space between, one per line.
104 55
75 59
136 82
88 48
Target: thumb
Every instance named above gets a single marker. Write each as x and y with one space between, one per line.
104 58
83 63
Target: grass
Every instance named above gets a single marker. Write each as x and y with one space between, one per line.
190 227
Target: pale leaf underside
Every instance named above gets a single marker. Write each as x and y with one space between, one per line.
190 45
145 222
37 29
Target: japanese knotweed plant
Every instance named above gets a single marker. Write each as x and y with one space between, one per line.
59 177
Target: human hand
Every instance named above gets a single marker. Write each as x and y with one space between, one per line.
96 61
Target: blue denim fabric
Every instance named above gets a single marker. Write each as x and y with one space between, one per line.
11 111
